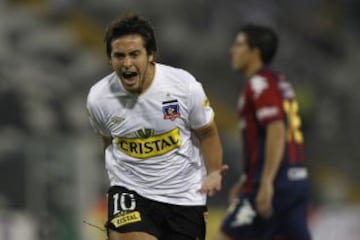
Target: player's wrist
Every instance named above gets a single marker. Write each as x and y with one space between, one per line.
266 182
213 172
221 170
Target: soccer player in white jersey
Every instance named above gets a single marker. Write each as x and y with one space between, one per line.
162 150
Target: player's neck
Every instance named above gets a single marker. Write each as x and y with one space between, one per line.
253 69
148 78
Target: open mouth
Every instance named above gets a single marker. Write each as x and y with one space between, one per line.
129 77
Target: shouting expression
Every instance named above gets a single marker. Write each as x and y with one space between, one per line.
132 63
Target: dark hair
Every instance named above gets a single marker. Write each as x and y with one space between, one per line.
263 38
130 24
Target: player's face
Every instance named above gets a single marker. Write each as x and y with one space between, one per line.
241 53
131 62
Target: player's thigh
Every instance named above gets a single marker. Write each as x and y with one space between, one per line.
297 224
240 221
130 236
293 207
185 223
129 213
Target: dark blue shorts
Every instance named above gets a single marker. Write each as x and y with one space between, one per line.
289 219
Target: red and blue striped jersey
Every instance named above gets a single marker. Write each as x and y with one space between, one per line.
266 98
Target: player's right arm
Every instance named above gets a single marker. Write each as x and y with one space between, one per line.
106 142
96 119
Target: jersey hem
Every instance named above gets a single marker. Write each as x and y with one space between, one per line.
166 199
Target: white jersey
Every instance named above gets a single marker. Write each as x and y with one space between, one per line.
154 151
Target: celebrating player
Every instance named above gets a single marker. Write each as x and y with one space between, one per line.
162 149
270 201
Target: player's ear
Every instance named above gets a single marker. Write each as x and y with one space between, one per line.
151 57
257 52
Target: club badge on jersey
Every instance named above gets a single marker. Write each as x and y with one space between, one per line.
171 110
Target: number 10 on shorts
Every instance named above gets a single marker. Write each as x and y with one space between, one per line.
126 202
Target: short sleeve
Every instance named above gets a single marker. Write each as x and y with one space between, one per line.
201 113
267 99
95 119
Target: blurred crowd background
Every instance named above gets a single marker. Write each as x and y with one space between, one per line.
52 175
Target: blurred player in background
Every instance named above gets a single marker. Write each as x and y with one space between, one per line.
162 149
270 201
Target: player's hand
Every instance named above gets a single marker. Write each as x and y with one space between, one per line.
264 200
212 182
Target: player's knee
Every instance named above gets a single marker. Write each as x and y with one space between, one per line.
112 235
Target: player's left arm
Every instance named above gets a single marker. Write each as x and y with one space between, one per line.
201 121
269 113
212 151
274 149
210 146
